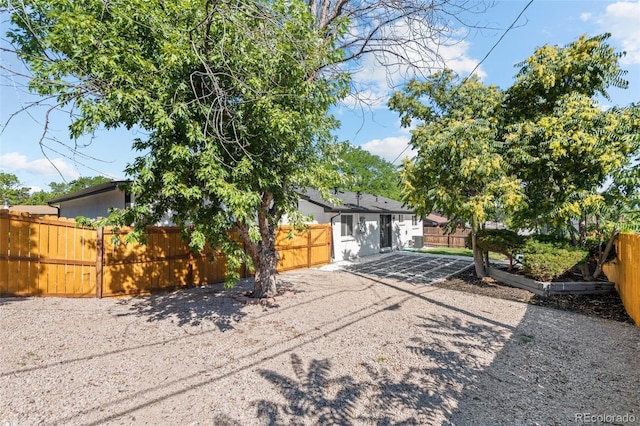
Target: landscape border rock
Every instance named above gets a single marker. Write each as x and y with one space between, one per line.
543 288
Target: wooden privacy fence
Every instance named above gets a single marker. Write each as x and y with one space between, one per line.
53 257
625 272
434 237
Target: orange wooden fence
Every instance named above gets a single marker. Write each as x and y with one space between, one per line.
434 237
625 272
53 257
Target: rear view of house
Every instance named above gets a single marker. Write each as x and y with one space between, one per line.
363 224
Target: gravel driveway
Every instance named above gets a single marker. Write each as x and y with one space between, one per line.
337 348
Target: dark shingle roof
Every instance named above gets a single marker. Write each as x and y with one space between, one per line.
92 190
351 202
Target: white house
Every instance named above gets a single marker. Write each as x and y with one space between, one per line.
93 202
363 224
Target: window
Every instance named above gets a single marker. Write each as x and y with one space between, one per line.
346 225
414 220
401 219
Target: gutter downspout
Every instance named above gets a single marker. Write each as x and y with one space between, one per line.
333 246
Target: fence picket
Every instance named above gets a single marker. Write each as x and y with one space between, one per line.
4 254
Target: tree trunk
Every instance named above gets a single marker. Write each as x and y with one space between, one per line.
605 254
477 256
265 272
263 253
586 273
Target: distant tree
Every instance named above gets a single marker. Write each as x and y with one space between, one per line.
366 172
62 188
12 190
459 169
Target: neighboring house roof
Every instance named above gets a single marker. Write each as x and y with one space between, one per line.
434 219
92 190
352 202
39 210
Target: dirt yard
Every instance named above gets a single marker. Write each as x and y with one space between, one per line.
337 348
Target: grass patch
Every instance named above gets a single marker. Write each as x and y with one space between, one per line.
459 252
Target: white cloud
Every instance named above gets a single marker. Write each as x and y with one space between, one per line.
393 148
584 17
16 162
378 74
622 20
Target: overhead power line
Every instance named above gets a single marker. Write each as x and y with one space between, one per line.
483 59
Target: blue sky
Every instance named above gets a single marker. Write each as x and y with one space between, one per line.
371 126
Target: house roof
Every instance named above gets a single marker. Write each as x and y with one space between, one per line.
92 190
436 219
354 202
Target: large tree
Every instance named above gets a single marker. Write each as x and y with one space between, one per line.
545 140
228 90
578 161
562 144
459 169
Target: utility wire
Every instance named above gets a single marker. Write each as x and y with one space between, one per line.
483 59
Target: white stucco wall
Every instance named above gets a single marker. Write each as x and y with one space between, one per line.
316 213
366 242
94 206
404 231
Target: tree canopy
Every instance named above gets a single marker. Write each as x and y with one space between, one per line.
362 171
543 149
12 190
459 169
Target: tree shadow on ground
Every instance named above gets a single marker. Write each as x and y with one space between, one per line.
193 306
452 353
448 355
211 303
554 367
311 395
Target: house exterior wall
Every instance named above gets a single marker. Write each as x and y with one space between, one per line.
365 239
94 206
317 213
405 230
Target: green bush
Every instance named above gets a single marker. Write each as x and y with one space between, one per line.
546 260
502 241
554 240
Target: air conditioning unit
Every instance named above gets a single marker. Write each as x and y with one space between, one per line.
418 242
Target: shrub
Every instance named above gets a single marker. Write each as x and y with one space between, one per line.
502 241
546 260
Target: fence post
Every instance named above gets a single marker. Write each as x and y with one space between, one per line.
309 247
99 259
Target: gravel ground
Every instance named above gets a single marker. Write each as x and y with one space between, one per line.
335 348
